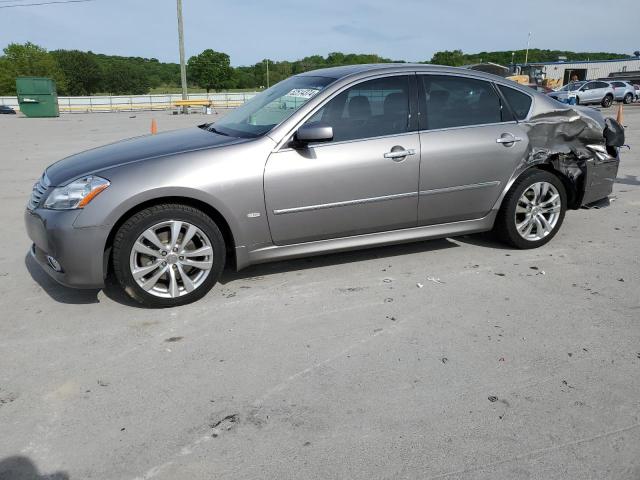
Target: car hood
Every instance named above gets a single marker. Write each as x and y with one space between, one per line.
135 150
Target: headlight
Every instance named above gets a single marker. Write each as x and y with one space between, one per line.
77 194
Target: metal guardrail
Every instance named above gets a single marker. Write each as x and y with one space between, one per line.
132 103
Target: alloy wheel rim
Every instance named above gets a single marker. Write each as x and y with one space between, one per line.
171 259
537 211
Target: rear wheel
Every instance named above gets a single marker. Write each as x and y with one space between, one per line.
532 211
607 101
168 255
628 98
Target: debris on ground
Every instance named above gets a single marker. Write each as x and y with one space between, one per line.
444 359
173 339
435 280
103 383
226 424
419 285
492 398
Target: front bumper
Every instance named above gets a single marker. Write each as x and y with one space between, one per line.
79 251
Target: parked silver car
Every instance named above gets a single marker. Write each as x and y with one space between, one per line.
623 91
325 161
585 93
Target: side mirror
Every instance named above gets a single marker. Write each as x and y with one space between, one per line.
313 132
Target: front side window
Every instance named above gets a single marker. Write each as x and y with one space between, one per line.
449 101
369 109
519 102
271 107
571 87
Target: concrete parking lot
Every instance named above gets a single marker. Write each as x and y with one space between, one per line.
456 358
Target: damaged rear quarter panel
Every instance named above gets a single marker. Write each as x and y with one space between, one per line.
563 138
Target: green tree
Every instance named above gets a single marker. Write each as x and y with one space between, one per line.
81 71
28 60
124 78
453 58
210 70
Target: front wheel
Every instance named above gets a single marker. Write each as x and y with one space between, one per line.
607 101
628 98
532 211
168 255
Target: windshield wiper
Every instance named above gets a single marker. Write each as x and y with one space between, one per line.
210 128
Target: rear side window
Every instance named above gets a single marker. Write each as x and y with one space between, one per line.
450 101
519 102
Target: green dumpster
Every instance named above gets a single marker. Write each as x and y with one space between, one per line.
37 96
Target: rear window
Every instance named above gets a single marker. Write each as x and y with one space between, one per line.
519 102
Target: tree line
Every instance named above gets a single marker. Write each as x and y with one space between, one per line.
85 73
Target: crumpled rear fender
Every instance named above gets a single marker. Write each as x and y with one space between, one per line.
580 145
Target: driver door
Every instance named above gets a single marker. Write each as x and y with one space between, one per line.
357 183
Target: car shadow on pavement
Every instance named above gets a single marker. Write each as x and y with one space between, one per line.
22 468
58 292
485 240
332 259
628 180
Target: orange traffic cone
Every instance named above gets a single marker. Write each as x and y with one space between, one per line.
620 115
154 127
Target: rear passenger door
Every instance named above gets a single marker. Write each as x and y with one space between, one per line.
470 146
619 89
590 93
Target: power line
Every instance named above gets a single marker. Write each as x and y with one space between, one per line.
43 3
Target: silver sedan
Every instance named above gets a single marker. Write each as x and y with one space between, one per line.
325 161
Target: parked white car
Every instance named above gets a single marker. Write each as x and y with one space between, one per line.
585 93
623 91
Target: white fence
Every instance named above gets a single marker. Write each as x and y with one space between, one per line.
132 103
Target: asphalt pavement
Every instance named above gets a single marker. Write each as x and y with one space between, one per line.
457 358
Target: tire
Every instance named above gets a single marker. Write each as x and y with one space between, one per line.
171 276
513 211
607 101
628 98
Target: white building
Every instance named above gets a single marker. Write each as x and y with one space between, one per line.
563 71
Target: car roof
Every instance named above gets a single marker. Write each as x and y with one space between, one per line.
352 70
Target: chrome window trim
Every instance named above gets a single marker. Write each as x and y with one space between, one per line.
457 188
510 122
360 201
343 142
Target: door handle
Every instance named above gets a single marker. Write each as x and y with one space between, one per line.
507 138
395 154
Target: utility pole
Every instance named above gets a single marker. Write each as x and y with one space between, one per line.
267 60
183 67
526 56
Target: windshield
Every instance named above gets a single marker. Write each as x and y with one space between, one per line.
269 108
570 87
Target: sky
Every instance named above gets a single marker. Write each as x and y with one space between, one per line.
252 30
